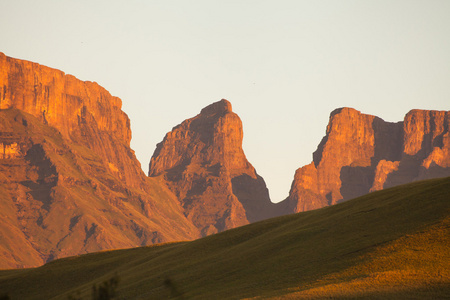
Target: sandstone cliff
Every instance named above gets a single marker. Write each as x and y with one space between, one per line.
362 153
83 112
203 163
69 182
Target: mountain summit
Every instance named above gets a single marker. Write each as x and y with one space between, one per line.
203 163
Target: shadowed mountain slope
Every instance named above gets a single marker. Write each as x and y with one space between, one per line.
387 244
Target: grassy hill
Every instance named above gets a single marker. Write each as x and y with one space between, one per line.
393 243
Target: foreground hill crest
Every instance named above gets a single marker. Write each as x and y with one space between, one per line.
390 244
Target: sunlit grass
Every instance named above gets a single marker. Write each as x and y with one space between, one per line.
416 266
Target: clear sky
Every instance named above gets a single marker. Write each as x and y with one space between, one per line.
283 64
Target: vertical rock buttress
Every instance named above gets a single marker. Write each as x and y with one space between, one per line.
203 163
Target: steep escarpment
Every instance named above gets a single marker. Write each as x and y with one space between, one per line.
362 153
203 163
82 111
69 182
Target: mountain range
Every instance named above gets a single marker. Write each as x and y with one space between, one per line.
71 184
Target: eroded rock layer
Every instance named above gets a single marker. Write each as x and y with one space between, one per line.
362 153
70 184
203 163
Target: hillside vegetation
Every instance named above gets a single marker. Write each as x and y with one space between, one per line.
388 244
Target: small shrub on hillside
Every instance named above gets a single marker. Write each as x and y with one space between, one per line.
105 291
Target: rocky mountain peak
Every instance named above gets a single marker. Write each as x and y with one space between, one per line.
219 107
203 163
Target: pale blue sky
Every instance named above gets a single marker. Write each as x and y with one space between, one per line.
284 65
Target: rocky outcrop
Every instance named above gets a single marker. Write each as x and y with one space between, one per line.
69 182
203 163
362 153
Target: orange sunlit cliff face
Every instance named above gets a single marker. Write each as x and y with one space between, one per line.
203 163
362 153
70 184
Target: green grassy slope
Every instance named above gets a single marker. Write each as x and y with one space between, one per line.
391 243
